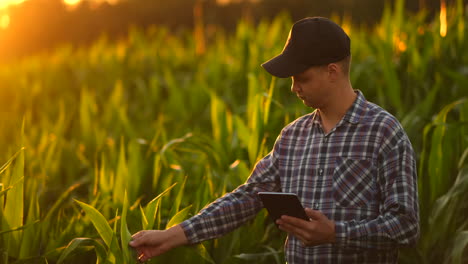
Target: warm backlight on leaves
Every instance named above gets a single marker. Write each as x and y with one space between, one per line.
5 3
4 21
71 2
443 19
74 2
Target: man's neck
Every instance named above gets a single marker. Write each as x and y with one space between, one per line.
337 108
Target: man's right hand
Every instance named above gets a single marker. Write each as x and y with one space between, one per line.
152 243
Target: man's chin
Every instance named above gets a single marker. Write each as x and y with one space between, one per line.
308 104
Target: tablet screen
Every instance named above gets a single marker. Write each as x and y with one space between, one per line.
278 204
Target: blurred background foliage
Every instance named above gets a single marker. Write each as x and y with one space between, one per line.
41 25
142 131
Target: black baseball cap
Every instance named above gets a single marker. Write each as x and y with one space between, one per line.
312 41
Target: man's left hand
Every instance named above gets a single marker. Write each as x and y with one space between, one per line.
318 230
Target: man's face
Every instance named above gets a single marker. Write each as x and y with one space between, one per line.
311 86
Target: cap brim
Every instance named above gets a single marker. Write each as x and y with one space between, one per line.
283 67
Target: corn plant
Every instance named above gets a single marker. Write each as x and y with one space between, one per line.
100 142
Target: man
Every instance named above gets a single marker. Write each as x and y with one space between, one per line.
350 163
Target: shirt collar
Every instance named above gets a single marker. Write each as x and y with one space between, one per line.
357 109
354 113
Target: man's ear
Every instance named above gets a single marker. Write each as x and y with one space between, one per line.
334 71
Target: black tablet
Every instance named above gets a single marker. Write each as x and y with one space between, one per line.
278 204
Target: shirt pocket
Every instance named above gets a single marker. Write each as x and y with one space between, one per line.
353 183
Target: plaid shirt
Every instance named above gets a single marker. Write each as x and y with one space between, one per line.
362 175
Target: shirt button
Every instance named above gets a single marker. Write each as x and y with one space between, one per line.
316 206
320 172
325 139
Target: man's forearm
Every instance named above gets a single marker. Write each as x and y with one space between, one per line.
382 233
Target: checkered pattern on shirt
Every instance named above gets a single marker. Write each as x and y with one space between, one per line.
362 175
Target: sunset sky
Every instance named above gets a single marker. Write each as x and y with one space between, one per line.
5 18
5 3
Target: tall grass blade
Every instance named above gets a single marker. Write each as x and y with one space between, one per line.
99 222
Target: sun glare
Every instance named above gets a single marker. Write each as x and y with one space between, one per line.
223 2
5 3
71 2
4 21
443 19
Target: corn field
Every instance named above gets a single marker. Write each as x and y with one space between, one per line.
100 142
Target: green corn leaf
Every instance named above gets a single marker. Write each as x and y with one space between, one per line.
87 110
2 202
99 222
30 237
463 159
459 249
3 192
446 212
14 205
125 235
174 142
115 254
152 208
80 242
203 252
243 131
135 166
152 211
144 220
178 199
439 163
121 174
8 163
157 168
115 222
179 217
35 260
221 119
268 100
55 207
255 256
18 228
276 254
